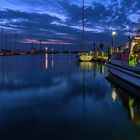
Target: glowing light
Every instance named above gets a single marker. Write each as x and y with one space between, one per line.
114 33
46 48
114 95
46 61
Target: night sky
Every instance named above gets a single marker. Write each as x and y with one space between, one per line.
59 21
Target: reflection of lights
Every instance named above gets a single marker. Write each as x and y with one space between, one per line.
46 61
52 63
102 69
86 65
131 103
114 95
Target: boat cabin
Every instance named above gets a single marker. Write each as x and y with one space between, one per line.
131 52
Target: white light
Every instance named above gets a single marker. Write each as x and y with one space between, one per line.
114 95
46 48
113 33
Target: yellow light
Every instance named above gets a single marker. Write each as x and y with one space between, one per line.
113 33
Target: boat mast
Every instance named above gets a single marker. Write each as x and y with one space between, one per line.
83 24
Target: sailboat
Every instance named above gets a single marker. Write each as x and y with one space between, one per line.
84 56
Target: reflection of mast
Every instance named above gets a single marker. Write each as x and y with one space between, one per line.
102 68
52 59
94 70
84 97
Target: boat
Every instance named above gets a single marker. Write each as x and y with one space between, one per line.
84 56
100 56
125 63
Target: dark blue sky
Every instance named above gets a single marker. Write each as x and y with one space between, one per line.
60 20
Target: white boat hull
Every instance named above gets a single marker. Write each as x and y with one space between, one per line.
127 75
85 57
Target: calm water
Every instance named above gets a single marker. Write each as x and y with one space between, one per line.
53 97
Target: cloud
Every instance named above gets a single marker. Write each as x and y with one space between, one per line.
62 19
50 41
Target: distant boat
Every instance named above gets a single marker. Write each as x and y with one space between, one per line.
126 63
84 56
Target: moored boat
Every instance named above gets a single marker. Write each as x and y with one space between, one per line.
125 63
85 56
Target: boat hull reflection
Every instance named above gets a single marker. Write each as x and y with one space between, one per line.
123 84
86 65
126 95
95 66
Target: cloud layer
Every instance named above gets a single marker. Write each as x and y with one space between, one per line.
61 19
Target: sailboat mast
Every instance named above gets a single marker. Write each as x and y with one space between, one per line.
83 24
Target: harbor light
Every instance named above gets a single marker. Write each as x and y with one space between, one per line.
46 48
113 33
113 39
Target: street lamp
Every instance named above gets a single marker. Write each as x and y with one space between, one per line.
113 36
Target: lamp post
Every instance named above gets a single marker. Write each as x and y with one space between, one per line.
113 39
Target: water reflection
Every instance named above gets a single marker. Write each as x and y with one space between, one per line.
95 66
52 60
131 103
129 98
46 61
68 101
114 94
